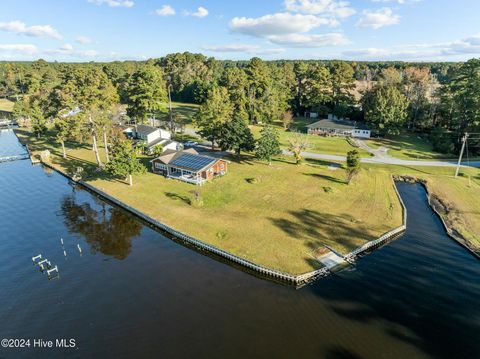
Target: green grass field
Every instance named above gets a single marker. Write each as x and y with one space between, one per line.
409 147
317 144
278 215
6 105
186 111
327 145
277 220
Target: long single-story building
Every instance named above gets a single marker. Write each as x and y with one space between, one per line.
334 126
189 166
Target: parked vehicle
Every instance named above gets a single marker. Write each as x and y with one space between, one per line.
190 144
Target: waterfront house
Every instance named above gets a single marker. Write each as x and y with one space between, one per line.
189 166
334 126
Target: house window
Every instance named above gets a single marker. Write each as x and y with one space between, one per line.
160 166
222 166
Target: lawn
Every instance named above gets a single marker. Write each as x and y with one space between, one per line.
409 147
6 105
186 111
317 144
274 215
325 145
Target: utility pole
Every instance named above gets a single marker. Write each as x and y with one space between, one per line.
170 104
464 141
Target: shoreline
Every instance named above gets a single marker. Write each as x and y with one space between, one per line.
264 272
436 205
232 259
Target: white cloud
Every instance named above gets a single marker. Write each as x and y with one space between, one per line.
440 51
19 27
278 24
201 12
165 10
19 48
401 2
67 50
470 45
249 49
335 8
290 30
67 47
113 3
378 19
83 40
310 40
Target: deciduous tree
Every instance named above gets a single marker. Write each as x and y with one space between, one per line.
214 113
268 144
297 143
147 92
385 109
353 165
235 135
124 162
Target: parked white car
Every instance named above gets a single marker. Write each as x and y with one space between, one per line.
190 143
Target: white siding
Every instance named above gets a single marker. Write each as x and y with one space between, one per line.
361 133
152 136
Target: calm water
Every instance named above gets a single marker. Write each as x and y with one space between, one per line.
134 293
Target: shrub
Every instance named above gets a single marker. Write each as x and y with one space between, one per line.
441 140
196 200
327 189
222 234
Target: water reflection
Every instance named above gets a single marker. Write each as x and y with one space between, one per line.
108 230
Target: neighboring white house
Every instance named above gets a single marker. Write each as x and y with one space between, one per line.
311 114
154 136
335 126
149 133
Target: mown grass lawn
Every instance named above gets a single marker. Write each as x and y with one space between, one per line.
409 146
325 145
6 105
186 111
317 144
272 215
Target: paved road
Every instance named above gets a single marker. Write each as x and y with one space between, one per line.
386 160
380 156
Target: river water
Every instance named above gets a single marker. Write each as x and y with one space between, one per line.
133 293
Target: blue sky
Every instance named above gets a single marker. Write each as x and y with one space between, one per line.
106 30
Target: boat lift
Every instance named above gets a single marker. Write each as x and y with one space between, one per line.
46 266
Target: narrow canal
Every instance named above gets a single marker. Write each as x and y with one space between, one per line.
133 293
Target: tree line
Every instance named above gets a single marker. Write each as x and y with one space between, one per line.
440 99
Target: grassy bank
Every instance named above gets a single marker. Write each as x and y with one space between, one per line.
6 105
409 147
317 144
459 196
276 216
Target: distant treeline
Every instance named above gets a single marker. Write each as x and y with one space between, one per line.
438 98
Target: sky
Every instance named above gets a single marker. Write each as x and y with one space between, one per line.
109 30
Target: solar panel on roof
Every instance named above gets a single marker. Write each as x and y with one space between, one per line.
192 162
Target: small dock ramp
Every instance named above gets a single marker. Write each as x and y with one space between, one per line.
330 259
